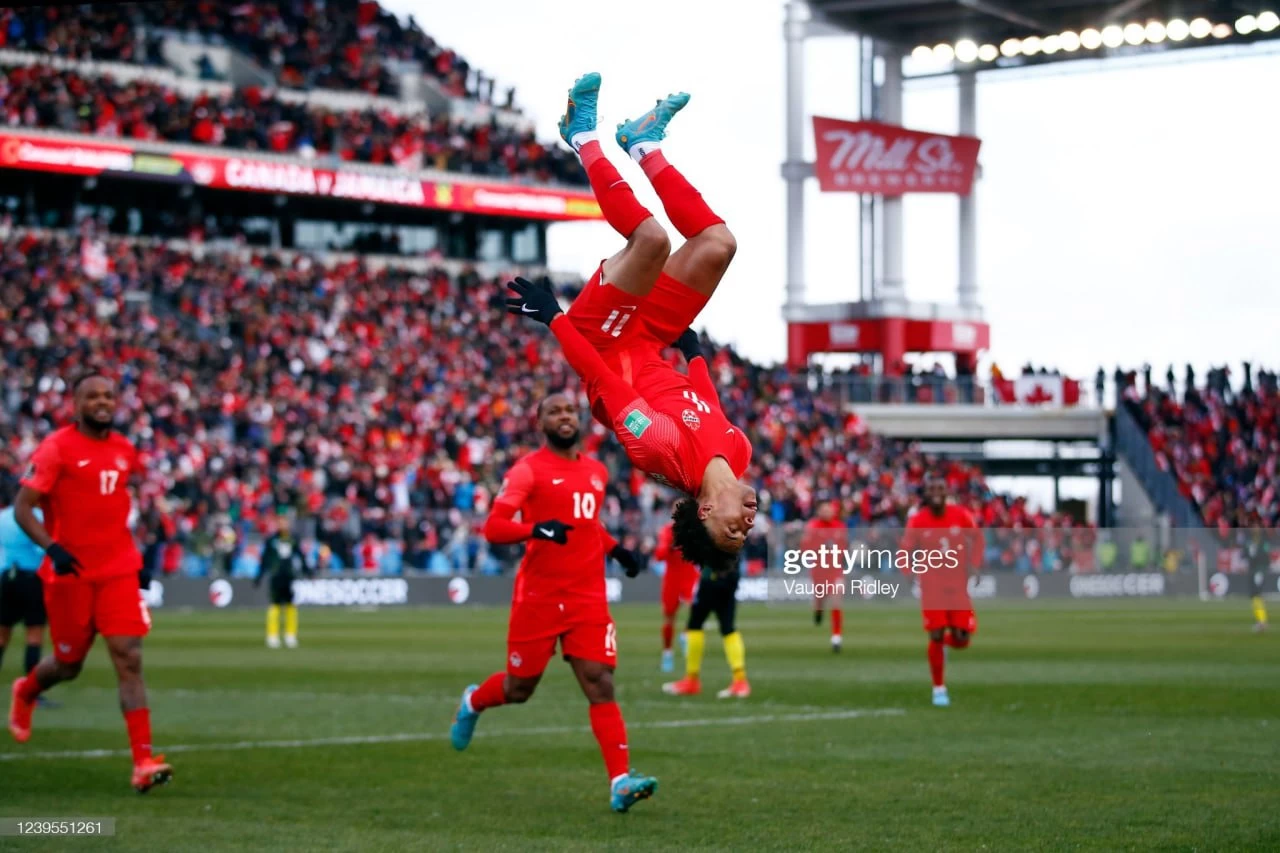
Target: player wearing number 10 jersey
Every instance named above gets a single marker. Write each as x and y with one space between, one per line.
639 302
559 593
79 477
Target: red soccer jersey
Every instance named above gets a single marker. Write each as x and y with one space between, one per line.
86 501
544 487
671 425
943 550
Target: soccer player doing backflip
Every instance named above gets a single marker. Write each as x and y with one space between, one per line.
639 302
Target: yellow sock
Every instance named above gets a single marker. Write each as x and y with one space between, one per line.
735 652
291 620
273 622
1259 610
693 653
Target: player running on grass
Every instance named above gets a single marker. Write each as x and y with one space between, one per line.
559 593
639 302
79 477
679 583
944 540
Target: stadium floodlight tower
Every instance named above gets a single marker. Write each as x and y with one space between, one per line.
881 161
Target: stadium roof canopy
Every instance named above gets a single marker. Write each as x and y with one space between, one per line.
1003 33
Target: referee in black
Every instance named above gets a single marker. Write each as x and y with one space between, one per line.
21 591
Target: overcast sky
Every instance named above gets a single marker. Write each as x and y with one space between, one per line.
1125 215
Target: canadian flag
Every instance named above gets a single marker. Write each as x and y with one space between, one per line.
1033 390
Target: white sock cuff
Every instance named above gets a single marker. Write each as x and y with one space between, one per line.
641 149
582 138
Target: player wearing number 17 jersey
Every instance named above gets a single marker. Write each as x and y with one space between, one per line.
639 302
559 594
79 477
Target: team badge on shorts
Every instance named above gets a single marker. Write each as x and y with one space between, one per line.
690 418
636 423
515 659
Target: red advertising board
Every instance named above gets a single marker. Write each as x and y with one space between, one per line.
884 159
219 169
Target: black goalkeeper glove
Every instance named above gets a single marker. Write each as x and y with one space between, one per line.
64 563
552 531
688 344
626 558
534 300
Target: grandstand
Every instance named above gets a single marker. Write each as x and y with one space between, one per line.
316 349
286 228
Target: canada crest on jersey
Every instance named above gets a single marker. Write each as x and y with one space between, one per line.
597 483
122 463
690 418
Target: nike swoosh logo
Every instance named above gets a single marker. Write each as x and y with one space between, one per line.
83 462
557 482
729 431
526 309
547 532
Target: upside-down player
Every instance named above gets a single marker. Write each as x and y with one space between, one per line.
639 302
79 477
559 593
946 546
679 583
826 531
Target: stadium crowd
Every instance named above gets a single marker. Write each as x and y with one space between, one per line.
253 119
1222 443
381 407
337 44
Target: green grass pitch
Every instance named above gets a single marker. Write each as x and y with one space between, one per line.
1074 726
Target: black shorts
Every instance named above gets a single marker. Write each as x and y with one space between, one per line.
21 599
718 596
282 590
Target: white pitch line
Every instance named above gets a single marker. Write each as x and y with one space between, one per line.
360 740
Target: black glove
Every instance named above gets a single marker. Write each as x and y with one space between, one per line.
687 343
552 531
534 300
144 578
626 558
63 561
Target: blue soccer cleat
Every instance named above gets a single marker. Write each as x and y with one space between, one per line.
628 790
652 126
580 113
668 661
940 698
464 722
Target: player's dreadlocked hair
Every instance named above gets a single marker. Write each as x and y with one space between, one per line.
690 535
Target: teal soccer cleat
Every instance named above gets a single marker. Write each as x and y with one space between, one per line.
464 722
631 789
651 128
580 113
940 698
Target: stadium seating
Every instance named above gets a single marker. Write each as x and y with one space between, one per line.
1222 444
385 404
42 96
338 44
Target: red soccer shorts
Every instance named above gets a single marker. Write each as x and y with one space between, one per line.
832 581
112 607
957 620
678 586
584 631
613 320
